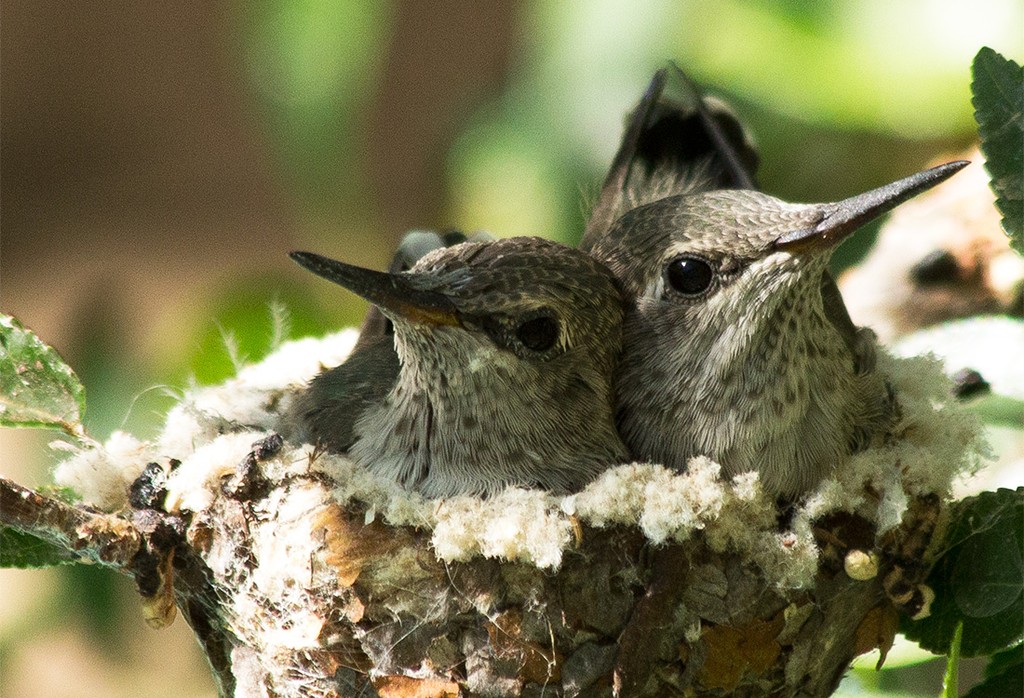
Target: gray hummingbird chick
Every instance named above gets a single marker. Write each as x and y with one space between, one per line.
505 356
729 350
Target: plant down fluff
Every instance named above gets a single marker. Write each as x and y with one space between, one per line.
213 429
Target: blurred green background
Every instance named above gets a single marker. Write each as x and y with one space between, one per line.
158 161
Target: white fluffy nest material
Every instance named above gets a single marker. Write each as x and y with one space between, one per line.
213 429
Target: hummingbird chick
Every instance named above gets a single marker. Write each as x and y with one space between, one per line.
500 372
729 347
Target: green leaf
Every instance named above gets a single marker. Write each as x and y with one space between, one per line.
981 588
37 389
998 98
1004 676
979 580
951 678
22 550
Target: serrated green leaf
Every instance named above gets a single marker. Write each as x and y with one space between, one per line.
22 550
1004 676
978 580
982 589
998 97
37 389
951 679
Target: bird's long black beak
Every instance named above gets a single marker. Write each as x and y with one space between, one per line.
392 293
841 219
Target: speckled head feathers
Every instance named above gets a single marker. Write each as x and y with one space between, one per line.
503 375
730 349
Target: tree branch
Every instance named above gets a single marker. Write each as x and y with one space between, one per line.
105 539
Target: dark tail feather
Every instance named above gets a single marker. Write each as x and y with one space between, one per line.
674 128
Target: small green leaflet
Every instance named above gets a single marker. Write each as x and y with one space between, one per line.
37 389
998 97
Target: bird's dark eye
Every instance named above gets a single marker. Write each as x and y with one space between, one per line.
538 334
689 275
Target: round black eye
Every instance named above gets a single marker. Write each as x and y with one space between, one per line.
689 275
538 334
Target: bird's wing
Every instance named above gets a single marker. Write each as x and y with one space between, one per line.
327 411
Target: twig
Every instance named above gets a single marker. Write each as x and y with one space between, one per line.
101 538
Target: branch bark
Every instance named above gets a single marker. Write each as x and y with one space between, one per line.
105 539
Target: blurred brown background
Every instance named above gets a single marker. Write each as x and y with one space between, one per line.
158 160
151 153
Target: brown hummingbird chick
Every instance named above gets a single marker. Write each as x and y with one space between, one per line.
729 347
502 376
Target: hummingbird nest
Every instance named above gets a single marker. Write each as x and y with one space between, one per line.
302 574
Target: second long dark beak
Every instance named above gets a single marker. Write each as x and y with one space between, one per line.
841 219
392 293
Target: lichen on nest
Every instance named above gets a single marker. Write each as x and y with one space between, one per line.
213 429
